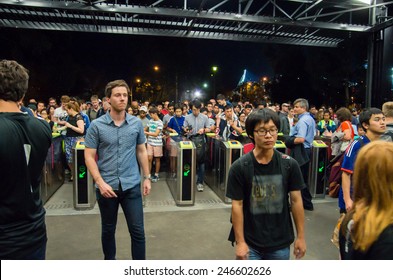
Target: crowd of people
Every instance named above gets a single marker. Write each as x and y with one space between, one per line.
122 136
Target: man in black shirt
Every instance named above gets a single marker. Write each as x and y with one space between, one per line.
24 144
260 184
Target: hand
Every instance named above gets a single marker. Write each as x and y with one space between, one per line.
348 204
106 190
299 249
242 251
146 187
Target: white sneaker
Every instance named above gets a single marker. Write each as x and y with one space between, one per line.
155 178
200 187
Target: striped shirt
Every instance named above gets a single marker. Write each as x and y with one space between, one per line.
153 127
116 149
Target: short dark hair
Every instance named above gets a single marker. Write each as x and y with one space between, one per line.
153 110
14 80
114 84
260 116
220 97
228 106
365 116
196 103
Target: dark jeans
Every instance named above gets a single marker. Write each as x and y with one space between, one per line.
200 145
38 254
131 203
200 169
306 195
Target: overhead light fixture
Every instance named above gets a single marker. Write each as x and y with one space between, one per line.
368 2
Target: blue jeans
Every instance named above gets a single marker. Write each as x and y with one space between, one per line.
282 254
131 203
200 173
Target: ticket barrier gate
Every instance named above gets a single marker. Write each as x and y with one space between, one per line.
182 182
53 169
317 179
229 151
83 188
280 146
328 142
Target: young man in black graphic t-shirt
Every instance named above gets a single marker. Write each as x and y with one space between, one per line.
24 144
261 216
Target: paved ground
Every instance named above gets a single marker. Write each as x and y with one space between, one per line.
196 232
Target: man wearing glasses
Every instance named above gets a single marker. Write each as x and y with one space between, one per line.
259 184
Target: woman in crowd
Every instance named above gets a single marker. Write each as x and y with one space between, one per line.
75 127
51 111
242 121
344 134
45 116
367 231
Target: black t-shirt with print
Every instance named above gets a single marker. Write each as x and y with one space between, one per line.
24 144
267 222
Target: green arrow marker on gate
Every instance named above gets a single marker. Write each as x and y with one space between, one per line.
185 173
320 169
82 175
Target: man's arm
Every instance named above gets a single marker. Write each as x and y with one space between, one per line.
236 126
298 140
242 250
141 154
298 217
105 189
346 187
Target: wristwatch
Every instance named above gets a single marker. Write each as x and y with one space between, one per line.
147 177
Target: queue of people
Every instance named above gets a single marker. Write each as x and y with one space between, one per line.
268 189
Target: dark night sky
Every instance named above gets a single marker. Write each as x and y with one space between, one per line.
72 62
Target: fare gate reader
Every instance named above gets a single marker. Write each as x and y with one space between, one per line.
317 180
280 146
84 191
229 152
182 184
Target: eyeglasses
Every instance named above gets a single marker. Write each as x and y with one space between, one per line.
263 132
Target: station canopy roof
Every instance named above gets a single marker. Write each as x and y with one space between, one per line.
323 23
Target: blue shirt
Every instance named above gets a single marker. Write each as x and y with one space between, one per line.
116 149
305 128
349 164
177 124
